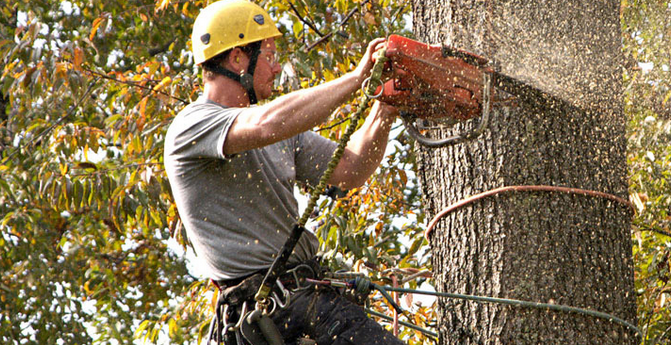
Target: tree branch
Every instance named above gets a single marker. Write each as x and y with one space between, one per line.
308 23
70 112
344 21
150 89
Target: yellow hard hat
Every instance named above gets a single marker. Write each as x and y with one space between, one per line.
227 24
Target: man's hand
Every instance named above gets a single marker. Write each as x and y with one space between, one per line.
388 112
362 70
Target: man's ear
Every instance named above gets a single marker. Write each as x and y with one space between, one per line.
237 60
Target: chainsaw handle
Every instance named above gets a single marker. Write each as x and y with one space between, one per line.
408 121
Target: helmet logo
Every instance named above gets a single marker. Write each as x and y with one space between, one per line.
205 38
259 19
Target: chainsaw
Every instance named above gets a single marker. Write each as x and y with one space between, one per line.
436 84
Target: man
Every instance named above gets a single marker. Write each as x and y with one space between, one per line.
232 167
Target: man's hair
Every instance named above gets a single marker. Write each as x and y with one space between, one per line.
210 65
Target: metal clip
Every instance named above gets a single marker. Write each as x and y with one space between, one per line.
365 87
300 282
286 293
242 317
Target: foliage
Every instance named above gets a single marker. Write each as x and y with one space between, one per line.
87 90
647 46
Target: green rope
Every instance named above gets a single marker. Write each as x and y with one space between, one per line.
279 264
526 304
374 82
337 154
403 323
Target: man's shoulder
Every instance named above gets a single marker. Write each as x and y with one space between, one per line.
203 111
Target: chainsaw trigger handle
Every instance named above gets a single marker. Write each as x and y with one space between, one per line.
409 120
364 89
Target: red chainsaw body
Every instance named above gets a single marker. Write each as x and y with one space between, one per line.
432 81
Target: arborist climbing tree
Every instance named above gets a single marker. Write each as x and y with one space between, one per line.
232 166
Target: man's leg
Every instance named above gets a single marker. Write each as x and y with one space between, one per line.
330 319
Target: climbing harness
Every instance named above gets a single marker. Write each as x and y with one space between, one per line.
237 317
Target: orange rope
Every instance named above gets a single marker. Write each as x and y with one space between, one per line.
500 190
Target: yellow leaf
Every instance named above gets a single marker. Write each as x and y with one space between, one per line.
61 70
64 169
143 106
162 5
79 58
94 28
8 68
144 17
163 83
369 18
666 99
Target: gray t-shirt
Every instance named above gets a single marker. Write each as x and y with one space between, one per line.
239 210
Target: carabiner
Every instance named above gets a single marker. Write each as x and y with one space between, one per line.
285 292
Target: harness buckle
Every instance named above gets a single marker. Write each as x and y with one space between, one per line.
299 273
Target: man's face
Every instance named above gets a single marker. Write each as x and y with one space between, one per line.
267 67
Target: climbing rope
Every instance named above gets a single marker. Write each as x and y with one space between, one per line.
384 290
526 304
368 86
520 303
279 264
501 190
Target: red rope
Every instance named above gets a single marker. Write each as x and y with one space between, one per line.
500 190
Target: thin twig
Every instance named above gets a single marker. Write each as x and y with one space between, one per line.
305 21
396 15
46 131
103 171
344 21
150 89
334 125
659 231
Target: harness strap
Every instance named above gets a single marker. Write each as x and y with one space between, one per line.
240 292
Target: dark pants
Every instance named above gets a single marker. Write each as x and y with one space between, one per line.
330 319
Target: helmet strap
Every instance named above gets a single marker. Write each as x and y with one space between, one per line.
246 79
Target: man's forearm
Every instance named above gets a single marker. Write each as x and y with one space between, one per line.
289 115
365 149
304 109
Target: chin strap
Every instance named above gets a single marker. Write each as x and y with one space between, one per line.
246 79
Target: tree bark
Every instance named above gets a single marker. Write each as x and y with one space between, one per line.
538 246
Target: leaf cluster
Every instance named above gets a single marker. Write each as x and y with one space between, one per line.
90 238
646 27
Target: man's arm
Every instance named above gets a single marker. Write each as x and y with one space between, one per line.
297 111
365 149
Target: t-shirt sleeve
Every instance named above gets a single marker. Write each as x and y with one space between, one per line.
201 133
313 154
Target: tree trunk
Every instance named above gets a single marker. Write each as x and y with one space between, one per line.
545 247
